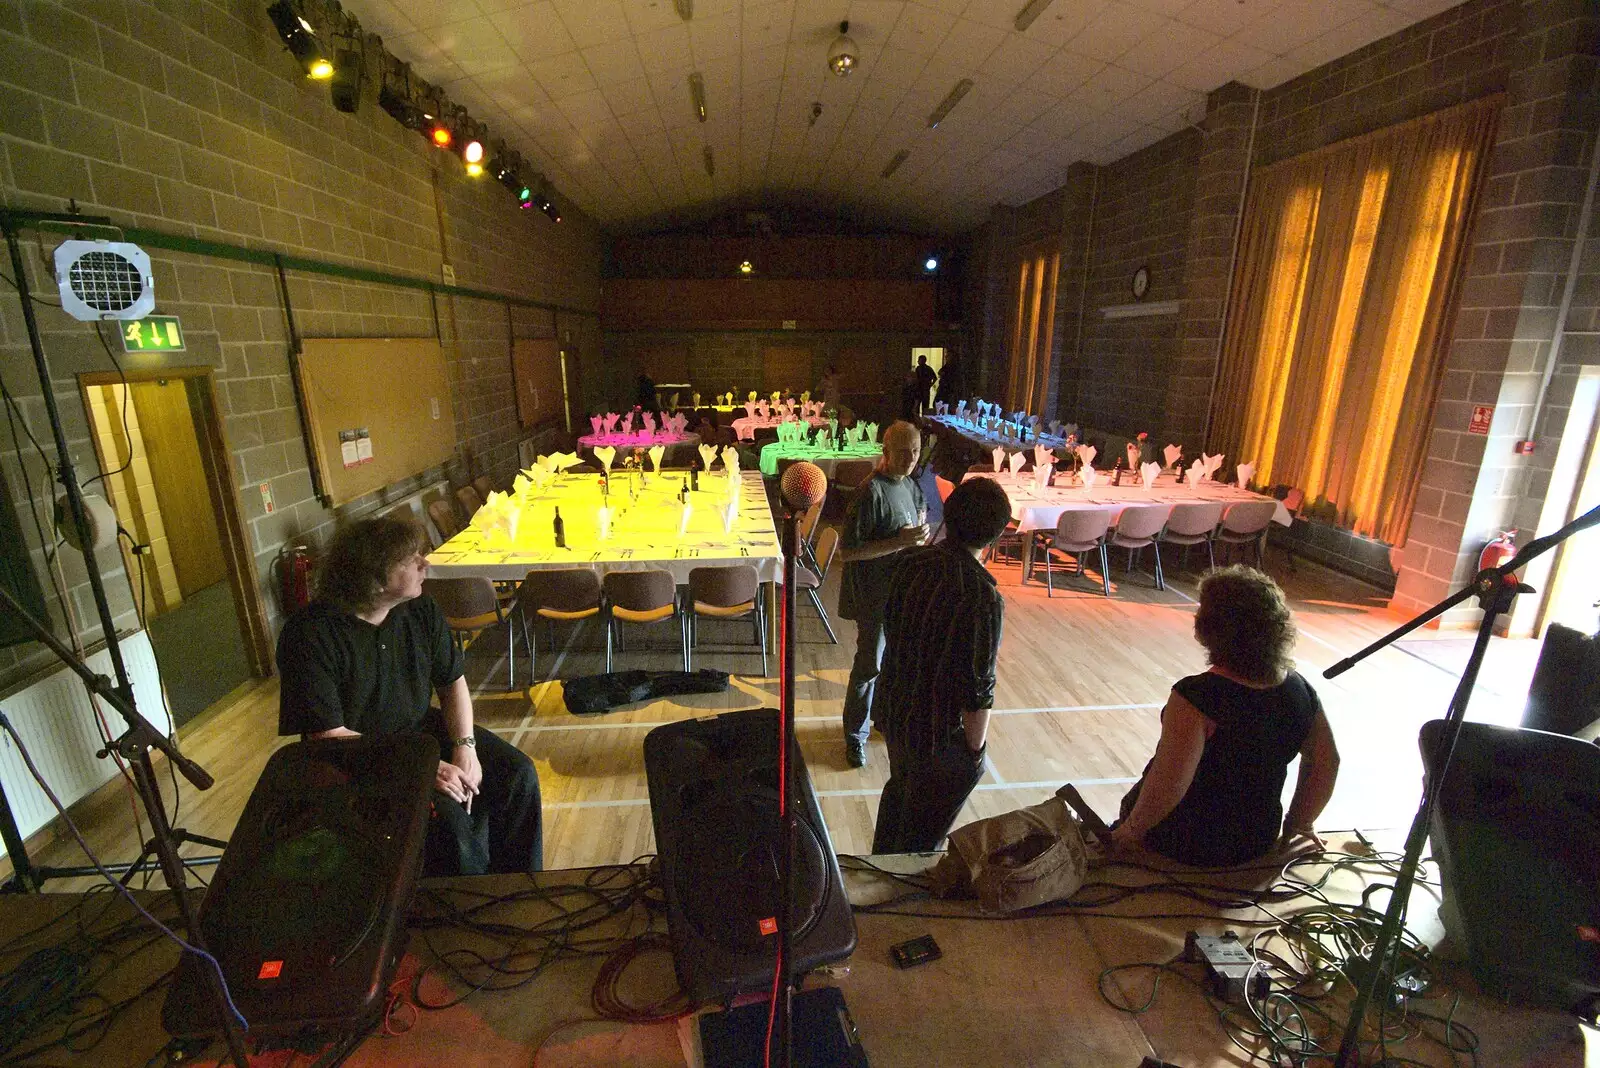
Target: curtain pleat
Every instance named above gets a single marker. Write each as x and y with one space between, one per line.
1346 272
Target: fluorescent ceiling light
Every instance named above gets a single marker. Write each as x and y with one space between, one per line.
711 162
962 88
697 95
1026 16
894 164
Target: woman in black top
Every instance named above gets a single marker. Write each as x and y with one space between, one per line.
1211 794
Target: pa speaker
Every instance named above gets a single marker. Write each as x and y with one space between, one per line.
1564 696
1516 834
714 802
306 912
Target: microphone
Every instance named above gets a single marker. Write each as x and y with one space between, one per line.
803 485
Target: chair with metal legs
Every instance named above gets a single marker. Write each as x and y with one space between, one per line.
1078 531
1139 526
645 597
729 591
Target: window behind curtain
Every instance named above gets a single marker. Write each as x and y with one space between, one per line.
1032 327
1347 264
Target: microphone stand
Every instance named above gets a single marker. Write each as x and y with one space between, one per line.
782 1048
1495 588
134 744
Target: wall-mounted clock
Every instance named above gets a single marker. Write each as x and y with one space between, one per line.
1141 283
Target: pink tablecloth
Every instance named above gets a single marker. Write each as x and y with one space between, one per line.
636 440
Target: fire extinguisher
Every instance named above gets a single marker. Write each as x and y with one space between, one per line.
294 564
1498 551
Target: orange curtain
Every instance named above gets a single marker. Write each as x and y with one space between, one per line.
1032 330
1348 258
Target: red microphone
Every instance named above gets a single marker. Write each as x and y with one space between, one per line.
803 485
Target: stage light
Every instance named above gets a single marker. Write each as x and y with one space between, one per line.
747 268
524 197
472 156
300 39
345 85
930 264
544 204
842 53
439 133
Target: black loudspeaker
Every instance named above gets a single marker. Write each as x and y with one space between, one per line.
714 802
1564 696
1516 834
306 912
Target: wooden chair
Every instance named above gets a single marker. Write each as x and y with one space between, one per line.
1293 501
1193 523
567 594
1246 523
470 607
445 520
1139 526
944 486
1078 531
469 501
645 597
730 591
483 485
810 580
849 474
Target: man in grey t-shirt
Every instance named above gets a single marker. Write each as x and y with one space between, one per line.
886 516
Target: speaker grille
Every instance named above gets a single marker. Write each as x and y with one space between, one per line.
105 282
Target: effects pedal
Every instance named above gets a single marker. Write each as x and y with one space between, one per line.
1229 966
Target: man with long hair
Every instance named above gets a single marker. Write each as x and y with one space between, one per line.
367 656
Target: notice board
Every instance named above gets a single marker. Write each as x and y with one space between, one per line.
378 410
536 369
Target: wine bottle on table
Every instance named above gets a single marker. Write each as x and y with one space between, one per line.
694 477
561 530
1116 474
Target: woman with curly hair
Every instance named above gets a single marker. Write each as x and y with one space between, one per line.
1211 794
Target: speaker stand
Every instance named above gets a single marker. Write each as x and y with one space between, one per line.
1495 588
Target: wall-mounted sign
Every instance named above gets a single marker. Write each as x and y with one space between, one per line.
791 324
153 333
1482 416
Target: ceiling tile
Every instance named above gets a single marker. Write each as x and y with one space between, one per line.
563 75
1167 48
587 111
921 29
614 62
650 15
1114 31
1226 17
714 38
629 97
593 22
1223 62
440 12
1296 22
970 43
475 45
1017 58
1066 19
666 49
534 31
1273 73
382 17
1065 72
766 25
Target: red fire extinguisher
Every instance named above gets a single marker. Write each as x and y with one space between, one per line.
295 562
1498 551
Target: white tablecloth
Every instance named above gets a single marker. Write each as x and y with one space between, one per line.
746 425
644 532
1038 510
988 439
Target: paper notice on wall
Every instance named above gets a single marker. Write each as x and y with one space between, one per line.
364 449
348 452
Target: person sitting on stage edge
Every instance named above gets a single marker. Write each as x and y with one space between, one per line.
887 515
365 657
942 627
1210 795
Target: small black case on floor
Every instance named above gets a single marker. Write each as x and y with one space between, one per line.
824 1033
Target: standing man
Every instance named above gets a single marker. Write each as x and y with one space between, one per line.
366 656
887 515
942 626
926 376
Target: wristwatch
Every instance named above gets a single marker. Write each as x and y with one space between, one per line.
468 740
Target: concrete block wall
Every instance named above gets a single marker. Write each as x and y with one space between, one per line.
188 117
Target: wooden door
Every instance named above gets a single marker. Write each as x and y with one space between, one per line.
536 368
173 452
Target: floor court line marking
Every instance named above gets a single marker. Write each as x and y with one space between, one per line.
543 728
869 791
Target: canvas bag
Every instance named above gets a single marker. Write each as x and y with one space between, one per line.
1015 860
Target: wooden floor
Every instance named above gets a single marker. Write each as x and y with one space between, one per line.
1081 682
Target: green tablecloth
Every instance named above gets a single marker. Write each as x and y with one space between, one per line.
826 459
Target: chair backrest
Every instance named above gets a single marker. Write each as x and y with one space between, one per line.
944 486
1078 525
445 520
827 545
1294 500
1193 518
724 586
1249 517
462 600
639 591
469 500
1139 521
848 474
807 524
565 589
483 485
980 469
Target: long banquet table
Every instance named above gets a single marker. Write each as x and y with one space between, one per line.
1036 509
644 532
827 459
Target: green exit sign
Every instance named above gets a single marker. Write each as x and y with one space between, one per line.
153 333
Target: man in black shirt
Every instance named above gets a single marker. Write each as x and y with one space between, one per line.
887 515
942 625
367 656
926 377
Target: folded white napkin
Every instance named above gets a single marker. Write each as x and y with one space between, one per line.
535 477
1245 472
730 460
752 396
1086 454
627 423
805 396
695 398
648 421
708 454
597 421
1212 462
730 513
999 455
1089 475
683 519
763 410
1197 473
611 422
961 407
750 409
656 453
602 518
1134 456
1043 457
1016 460
1172 453
1041 476
1148 473
605 454
1055 428
1069 430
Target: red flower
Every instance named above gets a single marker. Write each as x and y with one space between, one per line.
1143 436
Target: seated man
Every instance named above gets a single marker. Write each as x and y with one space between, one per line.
365 658
941 626
1211 795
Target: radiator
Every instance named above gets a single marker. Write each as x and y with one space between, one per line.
57 723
